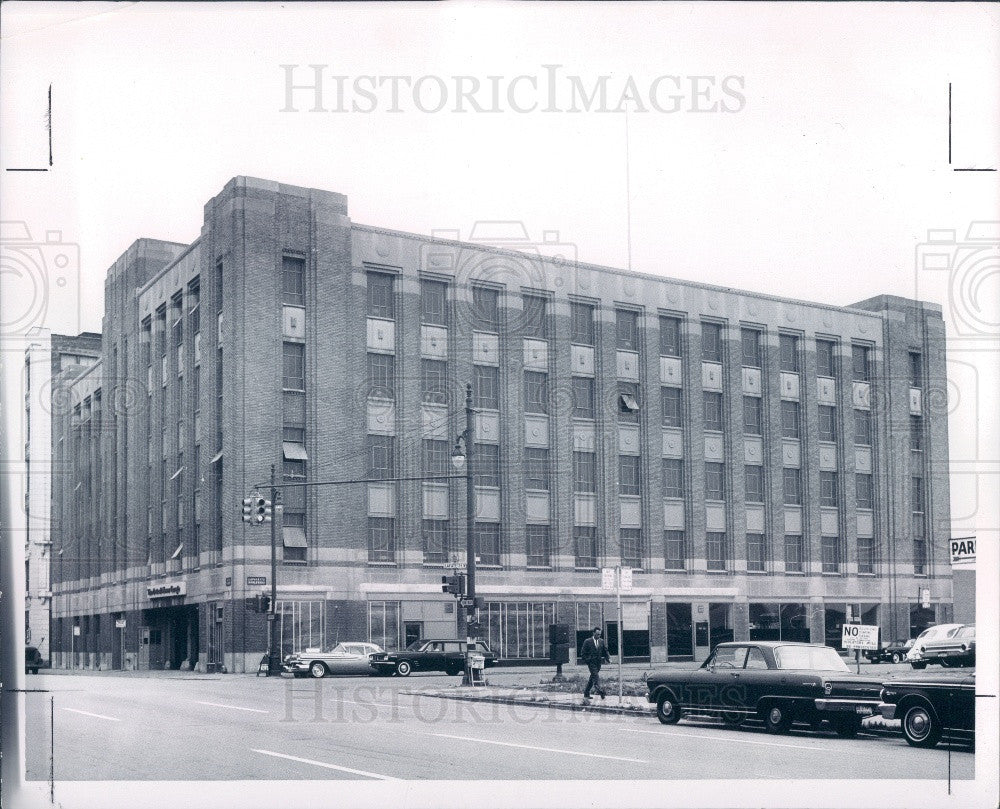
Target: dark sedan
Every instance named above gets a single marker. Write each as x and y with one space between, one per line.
931 704
430 655
779 683
893 651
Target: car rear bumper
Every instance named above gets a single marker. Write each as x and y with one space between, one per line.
862 707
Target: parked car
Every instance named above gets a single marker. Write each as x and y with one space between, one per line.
430 655
344 658
779 683
958 648
891 651
33 660
929 705
915 657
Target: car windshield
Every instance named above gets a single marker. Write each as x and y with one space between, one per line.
966 632
817 658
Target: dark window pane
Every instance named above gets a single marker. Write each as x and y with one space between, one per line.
487 387
293 366
434 302
584 471
792 487
434 381
670 337
716 550
628 474
583 397
828 489
381 539
627 330
756 553
293 280
788 346
537 545
536 468
827 423
862 427
713 411
670 401
916 433
628 402
673 477
917 493
825 357
488 543
536 392
753 418
582 323
536 322
916 370
381 297
381 456
861 363
486 458
437 457
711 342
673 550
381 376
754 476
715 487
630 540
436 544
790 419
793 553
486 309
585 543
863 487
751 347
830 547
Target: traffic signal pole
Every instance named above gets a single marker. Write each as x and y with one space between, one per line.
470 537
273 653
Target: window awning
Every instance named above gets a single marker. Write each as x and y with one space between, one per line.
294 537
177 553
175 474
628 403
218 457
293 451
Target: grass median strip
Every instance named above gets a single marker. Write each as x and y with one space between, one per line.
326 765
542 749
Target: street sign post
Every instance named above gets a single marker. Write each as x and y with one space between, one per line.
858 637
618 579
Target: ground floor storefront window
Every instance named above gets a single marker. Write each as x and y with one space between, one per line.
518 630
779 622
384 626
301 625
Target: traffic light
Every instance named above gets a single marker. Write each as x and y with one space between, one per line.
265 603
262 510
454 585
248 503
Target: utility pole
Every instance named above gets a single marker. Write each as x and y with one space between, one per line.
470 536
273 654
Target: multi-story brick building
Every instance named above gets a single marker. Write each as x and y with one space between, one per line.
771 467
47 355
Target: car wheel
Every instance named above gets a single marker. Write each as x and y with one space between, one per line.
897 657
403 668
847 727
920 727
317 669
451 671
666 710
777 718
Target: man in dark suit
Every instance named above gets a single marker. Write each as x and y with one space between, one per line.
594 653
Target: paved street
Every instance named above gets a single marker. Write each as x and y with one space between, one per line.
112 726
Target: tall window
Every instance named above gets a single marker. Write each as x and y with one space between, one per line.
293 366
628 474
825 357
919 546
584 472
713 410
536 321
382 376
916 433
673 477
536 392
582 323
381 456
790 419
670 401
486 309
917 493
754 477
711 342
792 487
537 545
583 397
750 339
434 381
293 280
435 536
831 554
627 330
863 487
756 553
916 370
788 352
381 539
863 428
674 554
828 489
585 544
866 555
488 543
827 423
433 302
536 468
670 336
631 547
861 362
628 402
794 561
753 416
487 387
715 550
381 297
437 459
293 520
486 458
715 487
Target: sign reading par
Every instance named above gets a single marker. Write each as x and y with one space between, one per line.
859 636
963 552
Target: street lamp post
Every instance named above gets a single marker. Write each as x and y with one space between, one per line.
459 459
273 654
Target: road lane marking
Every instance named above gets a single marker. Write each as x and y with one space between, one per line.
95 715
721 739
326 765
543 749
233 707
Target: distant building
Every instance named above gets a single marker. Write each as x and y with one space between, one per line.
770 467
46 357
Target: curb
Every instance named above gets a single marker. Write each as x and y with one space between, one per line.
538 703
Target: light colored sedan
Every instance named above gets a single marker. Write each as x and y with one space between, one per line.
345 658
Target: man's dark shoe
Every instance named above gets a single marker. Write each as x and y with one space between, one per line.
603 694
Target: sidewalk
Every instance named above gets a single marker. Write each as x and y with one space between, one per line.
569 701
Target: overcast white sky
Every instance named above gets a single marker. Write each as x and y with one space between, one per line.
821 186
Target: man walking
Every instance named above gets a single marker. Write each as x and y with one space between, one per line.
594 653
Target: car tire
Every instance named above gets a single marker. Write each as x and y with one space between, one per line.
666 710
945 663
921 664
403 668
317 669
897 657
920 727
777 718
451 671
847 727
